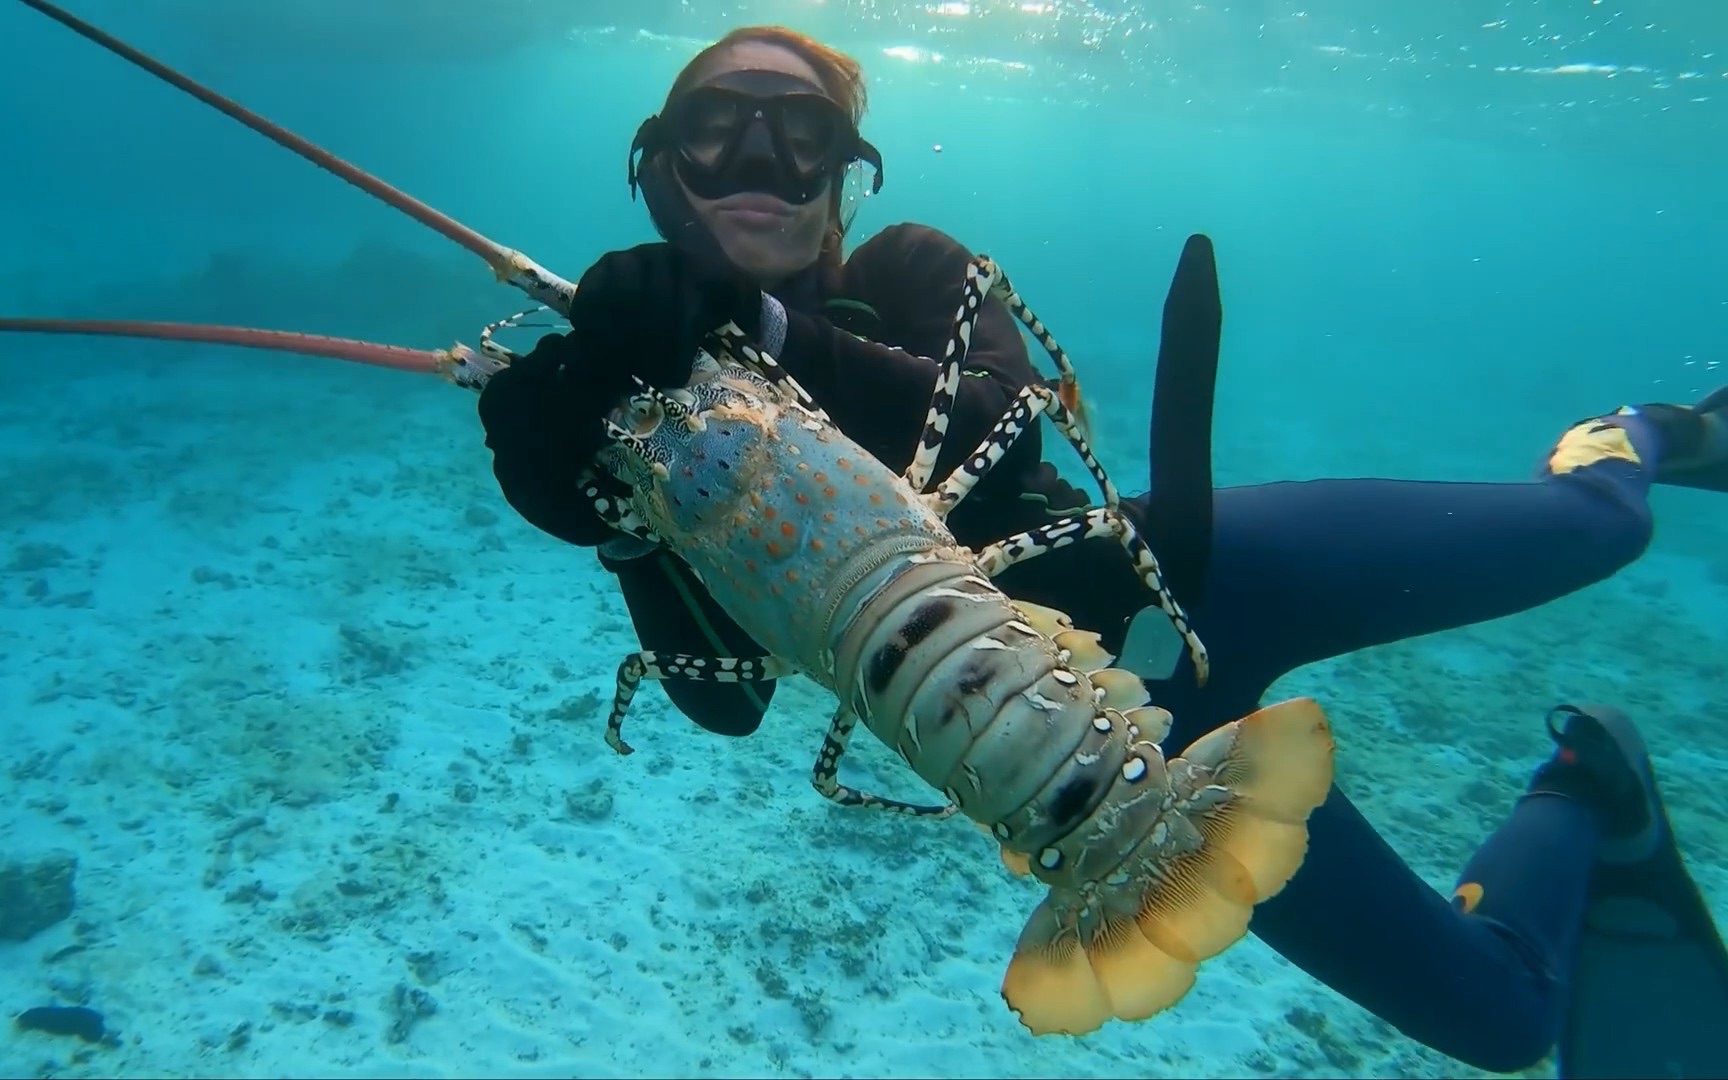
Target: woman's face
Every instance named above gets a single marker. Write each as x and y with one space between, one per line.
764 236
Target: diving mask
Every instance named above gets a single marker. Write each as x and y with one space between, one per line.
762 131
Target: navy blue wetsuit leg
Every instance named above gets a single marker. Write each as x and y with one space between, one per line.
1302 572
1329 567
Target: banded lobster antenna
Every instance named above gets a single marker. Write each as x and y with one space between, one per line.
458 364
512 267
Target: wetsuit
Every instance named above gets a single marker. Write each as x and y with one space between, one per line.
1298 572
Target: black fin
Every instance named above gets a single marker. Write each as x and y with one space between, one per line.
1650 989
1709 475
1179 517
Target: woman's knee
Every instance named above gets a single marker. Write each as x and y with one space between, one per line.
1612 511
1502 1041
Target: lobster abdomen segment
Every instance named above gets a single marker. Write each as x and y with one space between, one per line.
944 668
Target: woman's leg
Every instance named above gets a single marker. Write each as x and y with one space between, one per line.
1487 978
1487 988
1327 567
1302 572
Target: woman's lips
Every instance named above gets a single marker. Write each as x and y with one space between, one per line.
760 211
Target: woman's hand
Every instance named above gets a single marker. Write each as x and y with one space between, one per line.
644 311
640 312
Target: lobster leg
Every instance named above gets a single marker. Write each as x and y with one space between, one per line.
828 767
1107 520
1032 401
984 278
1060 405
972 293
1069 391
617 512
1095 523
652 665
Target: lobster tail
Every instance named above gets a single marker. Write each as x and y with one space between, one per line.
1235 834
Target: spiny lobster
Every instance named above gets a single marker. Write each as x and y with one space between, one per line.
847 572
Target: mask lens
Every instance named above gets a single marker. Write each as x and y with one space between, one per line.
706 124
811 126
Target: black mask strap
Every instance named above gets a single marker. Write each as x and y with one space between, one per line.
647 140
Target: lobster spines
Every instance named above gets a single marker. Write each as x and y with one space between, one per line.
1230 832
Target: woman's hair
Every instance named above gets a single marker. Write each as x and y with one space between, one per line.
841 77
840 74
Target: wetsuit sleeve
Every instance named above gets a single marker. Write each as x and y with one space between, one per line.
879 392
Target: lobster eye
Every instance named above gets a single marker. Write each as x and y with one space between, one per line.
638 414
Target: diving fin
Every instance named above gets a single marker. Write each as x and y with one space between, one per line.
1178 519
1649 991
1152 647
1707 470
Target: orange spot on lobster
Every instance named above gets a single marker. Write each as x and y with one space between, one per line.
862 480
820 477
844 463
773 549
792 577
875 499
829 492
787 529
770 513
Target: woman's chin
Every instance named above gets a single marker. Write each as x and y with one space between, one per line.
767 256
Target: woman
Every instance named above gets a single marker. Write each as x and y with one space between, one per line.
742 173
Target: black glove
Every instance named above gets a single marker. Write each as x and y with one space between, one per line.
644 311
640 312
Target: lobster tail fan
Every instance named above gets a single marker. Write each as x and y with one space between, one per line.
1243 795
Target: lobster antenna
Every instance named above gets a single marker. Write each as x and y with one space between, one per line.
458 364
511 266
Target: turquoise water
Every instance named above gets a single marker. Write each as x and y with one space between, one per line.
319 716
